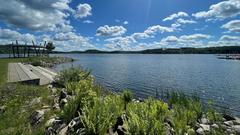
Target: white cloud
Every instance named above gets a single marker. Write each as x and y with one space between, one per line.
83 10
170 39
181 21
232 26
230 38
111 31
185 21
176 15
221 10
125 22
151 31
140 35
88 21
71 41
195 37
40 15
7 36
194 40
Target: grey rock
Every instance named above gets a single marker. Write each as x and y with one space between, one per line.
237 121
50 86
63 102
36 117
228 123
204 121
228 117
35 101
2 109
50 131
56 106
200 131
215 126
63 131
121 130
229 131
74 124
236 128
63 95
53 90
205 127
51 122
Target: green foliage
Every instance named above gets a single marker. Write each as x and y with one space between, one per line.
212 115
72 75
127 98
186 111
97 120
84 95
146 117
50 46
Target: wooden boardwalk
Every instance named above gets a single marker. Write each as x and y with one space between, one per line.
18 72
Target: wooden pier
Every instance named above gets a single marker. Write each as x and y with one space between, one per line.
23 50
229 56
18 72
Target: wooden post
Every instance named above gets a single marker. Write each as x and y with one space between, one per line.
35 48
24 51
39 50
44 49
13 52
17 48
28 51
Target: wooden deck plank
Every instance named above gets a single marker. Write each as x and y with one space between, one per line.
18 72
48 71
27 71
45 78
22 75
12 74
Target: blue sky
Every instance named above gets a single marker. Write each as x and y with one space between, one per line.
121 24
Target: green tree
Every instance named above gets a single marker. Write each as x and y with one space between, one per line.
50 47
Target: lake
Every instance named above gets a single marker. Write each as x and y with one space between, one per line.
144 74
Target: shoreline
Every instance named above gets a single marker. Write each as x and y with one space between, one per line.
62 97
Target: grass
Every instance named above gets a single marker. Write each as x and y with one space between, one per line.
17 97
4 68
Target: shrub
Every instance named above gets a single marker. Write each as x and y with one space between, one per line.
97 120
127 98
146 117
84 95
72 75
186 111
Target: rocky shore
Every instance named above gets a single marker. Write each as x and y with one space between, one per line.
55 125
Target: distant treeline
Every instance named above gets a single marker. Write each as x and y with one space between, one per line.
206 50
